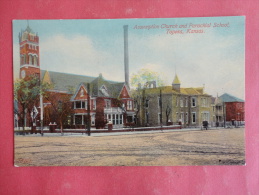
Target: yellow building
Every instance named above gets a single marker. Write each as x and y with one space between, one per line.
186 106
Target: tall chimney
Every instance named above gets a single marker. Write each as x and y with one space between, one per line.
126 55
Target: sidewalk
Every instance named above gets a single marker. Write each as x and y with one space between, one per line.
107 133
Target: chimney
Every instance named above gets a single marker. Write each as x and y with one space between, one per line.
126 55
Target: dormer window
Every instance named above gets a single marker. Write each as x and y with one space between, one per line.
104 91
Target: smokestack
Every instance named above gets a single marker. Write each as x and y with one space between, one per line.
126 55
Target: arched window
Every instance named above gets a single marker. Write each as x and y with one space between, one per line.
35 61
22 60
30 59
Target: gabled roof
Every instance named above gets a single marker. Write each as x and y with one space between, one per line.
229 98
115 89
71 83
66 82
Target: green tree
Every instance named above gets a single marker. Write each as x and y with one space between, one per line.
143 76
27 93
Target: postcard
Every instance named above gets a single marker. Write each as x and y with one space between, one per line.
129 92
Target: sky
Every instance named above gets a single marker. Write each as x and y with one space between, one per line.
207 51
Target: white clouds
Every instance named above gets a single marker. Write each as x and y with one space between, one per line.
212 59
78 55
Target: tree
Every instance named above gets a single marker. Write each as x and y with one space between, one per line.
140 79
167 112
61 107
27 93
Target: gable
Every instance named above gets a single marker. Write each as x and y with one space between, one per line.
124 93
81 93
46 78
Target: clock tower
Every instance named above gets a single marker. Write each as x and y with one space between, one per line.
29 53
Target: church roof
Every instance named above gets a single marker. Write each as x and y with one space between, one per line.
65 81
230 98
70 82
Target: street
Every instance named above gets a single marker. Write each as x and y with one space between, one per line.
211 147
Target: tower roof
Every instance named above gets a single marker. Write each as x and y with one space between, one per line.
176 80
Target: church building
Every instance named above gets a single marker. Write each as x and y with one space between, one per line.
109 101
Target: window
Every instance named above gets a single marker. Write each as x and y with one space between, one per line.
193 102
147 103
205 116
80 104
181 103
159 115
113 119
159 102
93 119
204 102
108 103
94 104
35 61
30 59
78 119
193 117
81 93
186 117
218 108
83 104
22 59
104 91
186 102
182 117
177 117
129 105
120 122
117 119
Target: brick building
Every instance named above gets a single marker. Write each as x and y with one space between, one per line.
108 100
233 108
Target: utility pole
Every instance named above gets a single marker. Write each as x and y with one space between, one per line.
224 116
41 114
160 105
88 111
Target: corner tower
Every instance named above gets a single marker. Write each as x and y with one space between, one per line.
29 53
176 84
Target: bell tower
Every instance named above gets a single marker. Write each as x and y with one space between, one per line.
29 53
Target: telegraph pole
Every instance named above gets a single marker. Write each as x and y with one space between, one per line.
41 115
160 105
88 111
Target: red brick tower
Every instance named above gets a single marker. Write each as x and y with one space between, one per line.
29 53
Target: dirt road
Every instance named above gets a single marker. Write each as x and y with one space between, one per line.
212 147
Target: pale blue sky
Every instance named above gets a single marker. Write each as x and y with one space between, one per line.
89 47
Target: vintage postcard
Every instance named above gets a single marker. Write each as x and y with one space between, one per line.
129 92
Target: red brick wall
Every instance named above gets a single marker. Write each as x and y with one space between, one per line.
235 110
